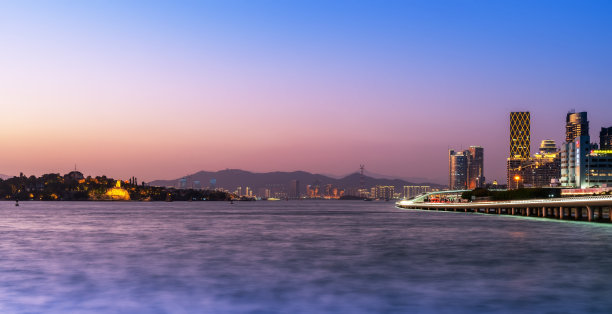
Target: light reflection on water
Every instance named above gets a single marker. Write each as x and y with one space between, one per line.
295 257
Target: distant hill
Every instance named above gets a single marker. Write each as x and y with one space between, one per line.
231 178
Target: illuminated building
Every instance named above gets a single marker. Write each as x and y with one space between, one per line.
582 165
475 167
520 135
411 191
542 170
117 193
520 147
363 193
605 138
458 170
576 124
383 192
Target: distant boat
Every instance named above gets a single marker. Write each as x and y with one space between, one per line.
16 202
168 198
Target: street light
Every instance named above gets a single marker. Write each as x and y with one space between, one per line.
517 178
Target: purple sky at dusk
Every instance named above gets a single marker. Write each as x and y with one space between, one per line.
161 90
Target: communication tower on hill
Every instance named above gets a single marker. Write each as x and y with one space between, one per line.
361 177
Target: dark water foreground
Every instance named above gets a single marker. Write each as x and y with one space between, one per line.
295 257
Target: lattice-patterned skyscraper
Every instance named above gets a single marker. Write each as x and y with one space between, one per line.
520 135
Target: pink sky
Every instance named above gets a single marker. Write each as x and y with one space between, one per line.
159 93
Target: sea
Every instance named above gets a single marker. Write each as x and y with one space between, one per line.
295 257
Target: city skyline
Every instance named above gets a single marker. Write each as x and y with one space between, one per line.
158 91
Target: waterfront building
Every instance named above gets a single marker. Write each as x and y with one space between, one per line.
458 170
475 167
383 192
294 189
520 147
582 164
364 193
576 124
542 170
312 191
410 191
605 138
520 135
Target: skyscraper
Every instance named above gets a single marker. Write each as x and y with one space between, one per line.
294 189
475 165
520 146
605 139
576 124
458 170
520 135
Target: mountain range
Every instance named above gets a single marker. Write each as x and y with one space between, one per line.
230 179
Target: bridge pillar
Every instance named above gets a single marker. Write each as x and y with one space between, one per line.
543 212
498 211
513 211
589 213
576 215
528 211
561 212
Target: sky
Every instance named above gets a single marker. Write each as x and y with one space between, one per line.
162 89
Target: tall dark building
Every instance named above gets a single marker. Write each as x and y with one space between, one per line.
475 165
520 135
605 138
294 189
576 124
458 170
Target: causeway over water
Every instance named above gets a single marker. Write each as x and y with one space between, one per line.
588 208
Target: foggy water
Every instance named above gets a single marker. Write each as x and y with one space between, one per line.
295 257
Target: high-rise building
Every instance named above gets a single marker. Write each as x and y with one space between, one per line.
294 189
542 170
520 135
411 191
383 192
475 165
520 146
576 124
582 164
605 138
458 170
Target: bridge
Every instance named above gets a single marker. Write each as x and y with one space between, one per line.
586 208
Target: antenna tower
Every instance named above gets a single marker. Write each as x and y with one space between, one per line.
361 177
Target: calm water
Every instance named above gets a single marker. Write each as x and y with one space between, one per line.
295 257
